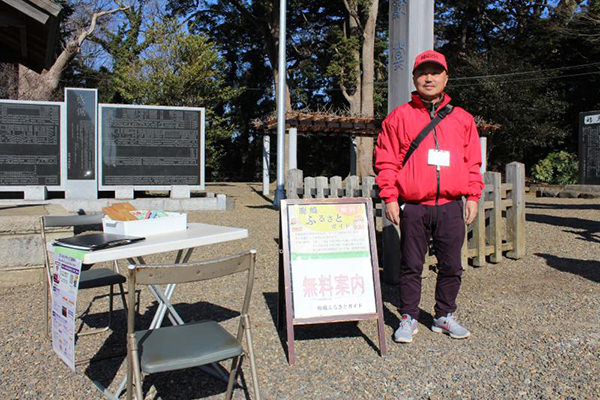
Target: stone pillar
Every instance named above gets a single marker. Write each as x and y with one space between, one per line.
411 32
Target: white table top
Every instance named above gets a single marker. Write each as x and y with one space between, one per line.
196 234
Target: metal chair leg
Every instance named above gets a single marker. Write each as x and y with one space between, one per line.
93 331
47 307
235 364
246 320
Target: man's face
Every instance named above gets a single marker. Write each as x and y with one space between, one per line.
430 79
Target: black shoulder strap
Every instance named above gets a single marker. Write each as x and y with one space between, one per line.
415 143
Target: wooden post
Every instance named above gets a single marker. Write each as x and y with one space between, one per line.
351 185
515 215
494 229
367 185
479 233
321 184
309 185
294 182
335 186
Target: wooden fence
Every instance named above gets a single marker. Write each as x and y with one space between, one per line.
498 229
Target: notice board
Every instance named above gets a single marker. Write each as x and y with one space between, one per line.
589 148
151 147
328 268
30 143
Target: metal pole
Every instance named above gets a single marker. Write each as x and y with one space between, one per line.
279 191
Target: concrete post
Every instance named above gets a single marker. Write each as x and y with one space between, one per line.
293 148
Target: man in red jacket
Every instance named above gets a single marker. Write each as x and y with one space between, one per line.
424 192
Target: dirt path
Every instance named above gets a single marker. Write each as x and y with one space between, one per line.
534 322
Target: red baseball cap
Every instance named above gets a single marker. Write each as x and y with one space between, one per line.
430 56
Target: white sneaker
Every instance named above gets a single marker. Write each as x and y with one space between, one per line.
406 330
449 325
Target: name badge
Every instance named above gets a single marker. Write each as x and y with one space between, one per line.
441 158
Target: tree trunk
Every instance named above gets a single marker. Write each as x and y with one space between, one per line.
361 101
565 10
353 28
364 145
43 86
9 81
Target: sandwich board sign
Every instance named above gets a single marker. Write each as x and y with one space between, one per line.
328 265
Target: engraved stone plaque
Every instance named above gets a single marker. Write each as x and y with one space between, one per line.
29 144
589 148
147 146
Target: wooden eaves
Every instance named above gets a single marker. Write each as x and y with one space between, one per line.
322 124
29 32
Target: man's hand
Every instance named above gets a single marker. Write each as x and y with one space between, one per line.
470 211
392 212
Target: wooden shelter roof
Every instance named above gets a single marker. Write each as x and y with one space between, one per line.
311 123
29 32
316 123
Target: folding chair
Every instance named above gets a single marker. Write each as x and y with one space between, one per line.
90 278
193 344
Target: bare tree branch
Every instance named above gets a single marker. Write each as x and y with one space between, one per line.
42 86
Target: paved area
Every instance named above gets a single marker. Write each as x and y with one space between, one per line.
534 322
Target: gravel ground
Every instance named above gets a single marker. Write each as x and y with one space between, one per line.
534 323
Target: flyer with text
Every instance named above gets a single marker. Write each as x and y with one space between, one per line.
330 258
65 282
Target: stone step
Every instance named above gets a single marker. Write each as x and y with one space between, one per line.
21 244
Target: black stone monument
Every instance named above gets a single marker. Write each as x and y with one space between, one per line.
150 146
29 144
81 133
589 148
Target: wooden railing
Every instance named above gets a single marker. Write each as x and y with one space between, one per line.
498 230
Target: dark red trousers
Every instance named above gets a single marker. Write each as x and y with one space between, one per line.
445 224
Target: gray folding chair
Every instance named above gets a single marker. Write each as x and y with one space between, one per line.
90 278
193 344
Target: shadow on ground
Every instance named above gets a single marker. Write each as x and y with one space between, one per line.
555 206
587 229
314 331
589 269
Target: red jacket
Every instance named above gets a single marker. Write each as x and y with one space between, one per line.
417 182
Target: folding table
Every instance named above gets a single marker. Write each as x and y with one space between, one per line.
184 242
